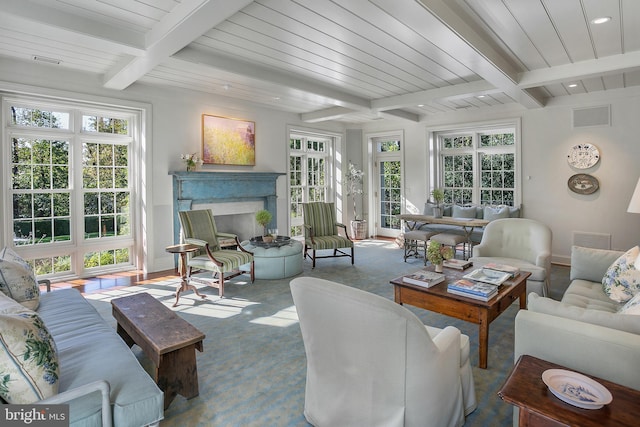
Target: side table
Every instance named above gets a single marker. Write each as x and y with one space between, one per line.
183 250
525 389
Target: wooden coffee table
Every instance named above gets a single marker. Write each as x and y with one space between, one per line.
167 339
525 389
482 313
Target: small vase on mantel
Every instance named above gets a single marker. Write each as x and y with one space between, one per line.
438 267
191 167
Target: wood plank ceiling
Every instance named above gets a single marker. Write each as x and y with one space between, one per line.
351 60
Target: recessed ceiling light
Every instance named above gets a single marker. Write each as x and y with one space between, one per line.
481 96
601 20
226 86
420 105
573 85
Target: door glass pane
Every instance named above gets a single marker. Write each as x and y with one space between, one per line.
390 194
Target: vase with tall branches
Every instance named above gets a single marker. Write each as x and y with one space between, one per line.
354 180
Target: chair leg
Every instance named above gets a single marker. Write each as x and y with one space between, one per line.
313 257
352 258
221 284
253 275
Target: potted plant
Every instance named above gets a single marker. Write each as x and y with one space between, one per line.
354 180
437 253
438 199
263 217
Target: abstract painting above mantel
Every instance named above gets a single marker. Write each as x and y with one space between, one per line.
227 141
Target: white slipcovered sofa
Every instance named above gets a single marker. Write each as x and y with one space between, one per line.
57 349
584 331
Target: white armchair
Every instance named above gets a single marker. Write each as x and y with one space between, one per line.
371 362
522 243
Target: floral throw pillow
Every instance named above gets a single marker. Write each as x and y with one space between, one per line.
17 279
632 306
622 280
29 368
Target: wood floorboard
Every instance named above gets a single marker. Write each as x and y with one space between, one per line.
115 281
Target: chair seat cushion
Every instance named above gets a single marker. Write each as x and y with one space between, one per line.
538 274
329 242
230 260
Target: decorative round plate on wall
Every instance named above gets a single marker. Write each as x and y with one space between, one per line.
583 156
583 183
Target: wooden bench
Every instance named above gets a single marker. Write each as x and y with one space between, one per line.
168 340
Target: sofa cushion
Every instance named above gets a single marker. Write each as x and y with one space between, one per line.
463 211
632 306
591 264
622 280
496 212
28 356
589 295
17 279
613 320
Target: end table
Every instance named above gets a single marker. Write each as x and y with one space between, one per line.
183 250
525 389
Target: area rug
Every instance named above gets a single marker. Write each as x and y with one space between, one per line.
252 371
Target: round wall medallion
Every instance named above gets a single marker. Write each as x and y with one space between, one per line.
582 183
583 156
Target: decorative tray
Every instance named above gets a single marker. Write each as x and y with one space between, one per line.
576 389
277 242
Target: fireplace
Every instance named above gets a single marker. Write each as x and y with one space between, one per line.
234 198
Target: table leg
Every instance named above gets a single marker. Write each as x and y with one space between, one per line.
483 339
184 284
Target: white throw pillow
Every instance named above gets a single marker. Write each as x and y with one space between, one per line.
463 211
622 280
29 369
17 279
632 306
495 212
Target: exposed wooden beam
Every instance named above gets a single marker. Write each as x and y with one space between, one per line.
449 31
188 21
401 114
332 113
52 23
614 64
257 72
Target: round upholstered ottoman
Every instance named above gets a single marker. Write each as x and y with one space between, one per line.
276 262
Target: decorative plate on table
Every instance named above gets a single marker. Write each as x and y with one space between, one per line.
576 389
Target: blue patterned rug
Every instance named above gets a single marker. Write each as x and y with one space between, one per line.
252 371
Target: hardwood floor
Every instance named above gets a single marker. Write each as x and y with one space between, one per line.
115 281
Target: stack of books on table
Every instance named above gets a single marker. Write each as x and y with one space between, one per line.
424 278
470 289
458 264
493 277
504 268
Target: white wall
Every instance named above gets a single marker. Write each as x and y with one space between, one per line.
175 129
547 135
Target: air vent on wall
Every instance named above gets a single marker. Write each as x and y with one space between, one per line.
592 240
47 60
592 116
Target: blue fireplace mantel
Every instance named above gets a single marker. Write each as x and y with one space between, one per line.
191 188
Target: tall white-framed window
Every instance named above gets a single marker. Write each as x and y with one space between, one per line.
70 173
478 165
310 177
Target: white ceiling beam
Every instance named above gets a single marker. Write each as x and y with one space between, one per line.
188 21
333 113
52 23
449 31
607 65
251 70
464 90
400 114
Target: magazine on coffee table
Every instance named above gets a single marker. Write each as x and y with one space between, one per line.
424 278
488 276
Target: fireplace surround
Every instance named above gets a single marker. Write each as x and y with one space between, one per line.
233 190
